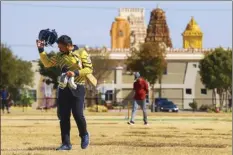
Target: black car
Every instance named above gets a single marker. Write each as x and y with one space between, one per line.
168 106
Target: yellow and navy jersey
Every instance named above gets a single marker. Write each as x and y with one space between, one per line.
77 60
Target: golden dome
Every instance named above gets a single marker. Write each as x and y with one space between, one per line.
119 18
192 28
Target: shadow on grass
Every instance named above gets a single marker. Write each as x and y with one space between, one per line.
149 144
153 135
204 129
19 126
98 123
175 136
138 132
217 134
43 148
170 128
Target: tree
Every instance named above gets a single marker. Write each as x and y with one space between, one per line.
102 67
25 99
149 60
101 62
51 72
216 72
15 72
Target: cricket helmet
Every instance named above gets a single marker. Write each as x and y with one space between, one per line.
48 36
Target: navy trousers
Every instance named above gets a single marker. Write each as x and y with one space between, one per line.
71 101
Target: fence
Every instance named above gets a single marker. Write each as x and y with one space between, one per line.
122 103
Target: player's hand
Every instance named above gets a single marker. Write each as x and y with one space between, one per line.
40 44
70 74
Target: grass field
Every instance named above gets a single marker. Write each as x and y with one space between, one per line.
38 133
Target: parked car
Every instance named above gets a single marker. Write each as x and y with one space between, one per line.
168 106
158 102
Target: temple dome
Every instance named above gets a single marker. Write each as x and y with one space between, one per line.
192 28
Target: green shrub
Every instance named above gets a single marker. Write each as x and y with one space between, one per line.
208 108
193 105
205 107
211 110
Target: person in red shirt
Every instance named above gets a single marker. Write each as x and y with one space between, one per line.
140 87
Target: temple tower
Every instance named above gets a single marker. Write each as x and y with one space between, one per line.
136 19
157 30
120 33
192 36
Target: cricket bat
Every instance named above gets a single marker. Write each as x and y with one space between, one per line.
91 79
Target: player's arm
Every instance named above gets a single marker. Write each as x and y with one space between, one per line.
87 67
47 62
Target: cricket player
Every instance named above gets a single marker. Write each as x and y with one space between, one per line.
76 64
140 87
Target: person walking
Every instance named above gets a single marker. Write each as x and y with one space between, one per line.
5 97
75 64
140 87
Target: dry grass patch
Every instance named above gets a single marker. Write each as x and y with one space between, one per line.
38 134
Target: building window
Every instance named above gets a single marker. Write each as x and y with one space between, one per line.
109 95
189 91
203 91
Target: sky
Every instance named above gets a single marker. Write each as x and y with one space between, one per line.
89 23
